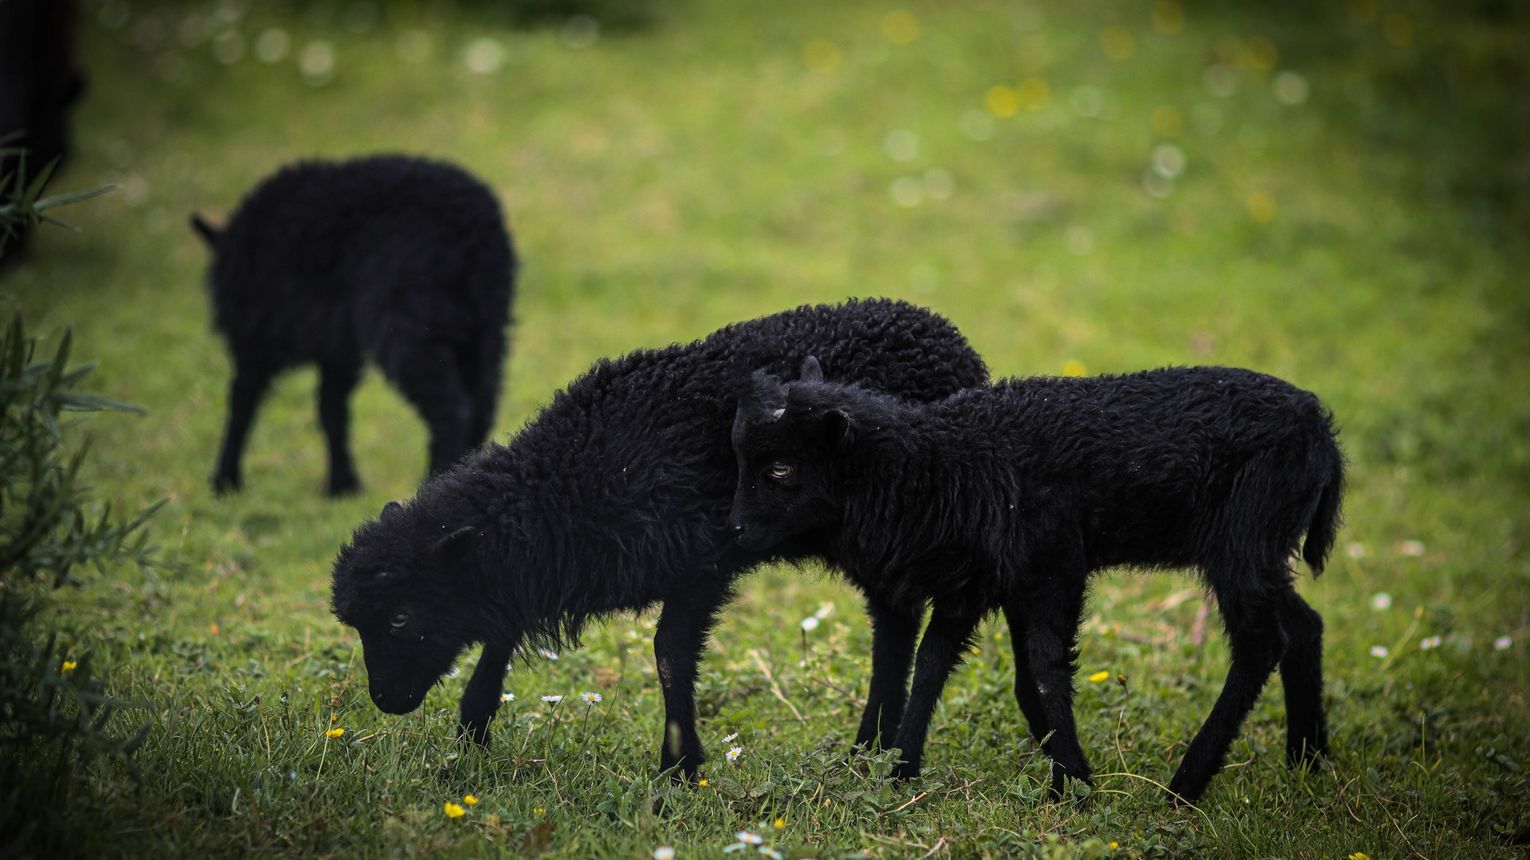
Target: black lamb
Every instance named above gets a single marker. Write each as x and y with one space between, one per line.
401 261
1009 497
615 497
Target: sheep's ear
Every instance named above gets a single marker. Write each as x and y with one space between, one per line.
766 393
207 231
811 370
839 429
389 510
456 543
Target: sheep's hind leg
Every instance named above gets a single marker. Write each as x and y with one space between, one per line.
946 638
684 623
244 394
1026 693
336 382
1257 641
1050 619
428 376
893 634
1301 674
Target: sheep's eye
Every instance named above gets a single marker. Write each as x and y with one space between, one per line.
781 471
398 621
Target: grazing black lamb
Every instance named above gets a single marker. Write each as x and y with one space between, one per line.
1009 497
615 497
401 261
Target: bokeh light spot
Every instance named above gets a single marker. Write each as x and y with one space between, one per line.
1290 88
1168 160
1220 80
1074 367
906 191
821 56
1168 121
271 45
1001 101
317 62
1168 17
900 27
1117 43
1261 207
1032 93
900 144
580 32
1363 11
1261 54
1398 29
228 47
483 55
1086 101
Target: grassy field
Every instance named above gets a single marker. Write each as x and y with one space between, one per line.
1332 193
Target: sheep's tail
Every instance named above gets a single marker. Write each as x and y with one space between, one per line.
1323 528
207 231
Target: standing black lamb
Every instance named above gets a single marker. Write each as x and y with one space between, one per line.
401 261
615 498
1009 497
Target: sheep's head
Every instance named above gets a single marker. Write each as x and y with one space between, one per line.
787 440
405 582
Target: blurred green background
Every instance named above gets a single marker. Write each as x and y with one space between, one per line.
1334 193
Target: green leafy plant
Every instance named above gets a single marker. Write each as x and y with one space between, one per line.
55 712
21 202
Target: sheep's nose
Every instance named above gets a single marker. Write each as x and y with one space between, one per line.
738 530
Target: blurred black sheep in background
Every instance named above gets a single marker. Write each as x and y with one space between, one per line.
402 261
38 85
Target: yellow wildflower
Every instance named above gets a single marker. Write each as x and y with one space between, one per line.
538 811
1261 207
1359 855
469 800
703 782
779 824
1074 367
334 732
68 666
900 27
452 810
1099 676
1001 101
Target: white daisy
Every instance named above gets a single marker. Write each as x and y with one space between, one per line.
590 698
552 700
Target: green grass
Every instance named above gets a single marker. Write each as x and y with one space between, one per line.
672 178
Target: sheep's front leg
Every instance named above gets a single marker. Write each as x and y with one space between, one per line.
244 396
946 639
893 633
677 645
480 699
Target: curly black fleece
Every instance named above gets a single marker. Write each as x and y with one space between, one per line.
1009 497
397 260
613 498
